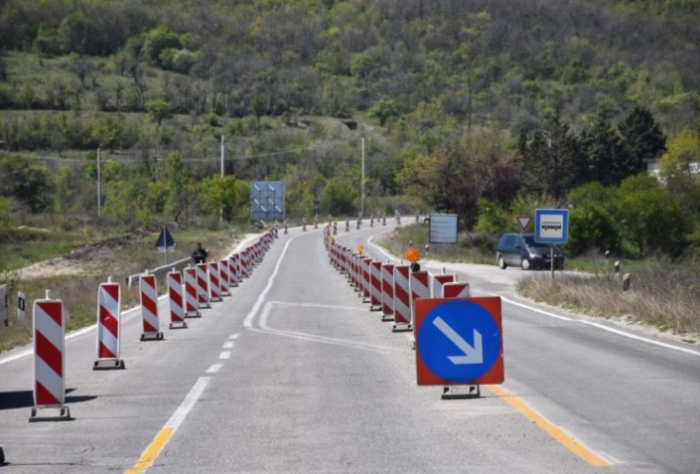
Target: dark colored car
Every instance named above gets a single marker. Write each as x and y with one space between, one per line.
522 251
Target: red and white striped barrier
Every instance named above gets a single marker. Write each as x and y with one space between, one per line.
238 273
149 308
419 289
375 286
202 286
49 359
191 300
109 319
356 273
402 299
439 281
245 264
458 289
366 279
214 282
176 300
225 274
232 271
388 292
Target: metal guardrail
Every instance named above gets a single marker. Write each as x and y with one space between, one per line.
158 271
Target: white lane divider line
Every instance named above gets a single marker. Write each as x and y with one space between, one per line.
225 355
248 321
228 345
234 336
214 368
153 450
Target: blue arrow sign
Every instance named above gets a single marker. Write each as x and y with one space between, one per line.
459 341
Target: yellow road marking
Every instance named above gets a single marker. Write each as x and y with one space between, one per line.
550 428
153 450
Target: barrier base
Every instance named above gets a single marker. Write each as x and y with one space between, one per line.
152 336
180 325
2 456
460 392
402 328
216 299
375 308
194 315
226 293
61 413
233 285
108 364
387 318
204 306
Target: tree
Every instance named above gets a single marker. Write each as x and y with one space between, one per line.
339 197
226 193
28 180
550 160
643 140
608 159
680 169
650 218
157 41
158 110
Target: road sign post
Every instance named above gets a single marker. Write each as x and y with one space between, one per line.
459 341
552 227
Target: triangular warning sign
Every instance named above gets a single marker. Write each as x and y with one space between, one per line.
524 221
165 242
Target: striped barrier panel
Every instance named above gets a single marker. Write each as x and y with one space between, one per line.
214 282
456 290
420 288
439 281
245 269
402 299
202 286
366 279
236 267
225 271
232 271
388 292
191 299
49 360
149 308
176 300
376 286
109 320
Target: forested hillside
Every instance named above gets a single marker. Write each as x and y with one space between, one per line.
484 108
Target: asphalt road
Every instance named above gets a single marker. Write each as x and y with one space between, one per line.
293 373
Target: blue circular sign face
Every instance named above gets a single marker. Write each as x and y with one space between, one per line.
459 341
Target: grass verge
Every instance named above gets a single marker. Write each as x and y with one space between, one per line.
117 257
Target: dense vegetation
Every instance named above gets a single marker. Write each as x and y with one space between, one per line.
483 108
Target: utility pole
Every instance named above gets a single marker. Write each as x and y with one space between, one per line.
99 185
223 155
362 185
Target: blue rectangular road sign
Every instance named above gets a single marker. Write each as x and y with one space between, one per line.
552 226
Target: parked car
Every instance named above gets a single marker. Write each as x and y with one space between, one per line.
522 251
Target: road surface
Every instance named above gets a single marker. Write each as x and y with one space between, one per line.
293 374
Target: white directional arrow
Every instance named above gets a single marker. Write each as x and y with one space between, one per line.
472 355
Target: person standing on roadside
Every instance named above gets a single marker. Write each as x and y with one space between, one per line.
200 254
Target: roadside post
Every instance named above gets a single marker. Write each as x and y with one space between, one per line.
551 227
